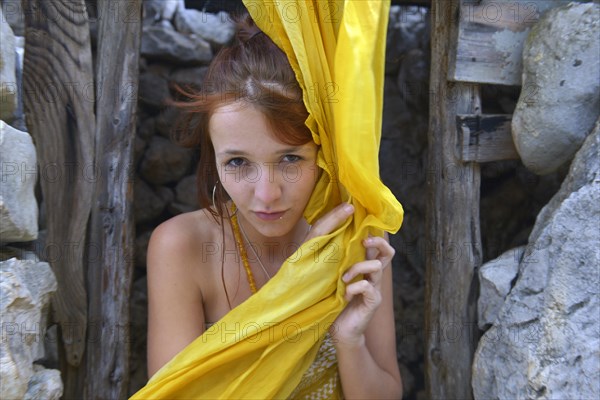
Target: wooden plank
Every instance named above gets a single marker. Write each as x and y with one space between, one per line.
112 229
60 117
491 34
452 221
485 138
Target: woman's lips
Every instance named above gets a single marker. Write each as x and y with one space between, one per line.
269 216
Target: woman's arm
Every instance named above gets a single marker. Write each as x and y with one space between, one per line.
175 312
364 334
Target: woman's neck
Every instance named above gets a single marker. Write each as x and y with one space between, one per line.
273 251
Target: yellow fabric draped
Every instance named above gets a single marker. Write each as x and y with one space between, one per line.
261 348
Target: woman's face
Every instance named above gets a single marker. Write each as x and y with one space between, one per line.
270 182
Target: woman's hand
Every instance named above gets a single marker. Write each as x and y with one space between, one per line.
363 295
364 333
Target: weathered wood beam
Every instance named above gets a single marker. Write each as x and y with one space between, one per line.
60 117
452 222
491 34
112 229
485 138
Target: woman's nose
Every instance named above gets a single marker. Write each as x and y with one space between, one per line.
267 188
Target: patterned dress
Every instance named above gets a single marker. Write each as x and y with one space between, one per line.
321 380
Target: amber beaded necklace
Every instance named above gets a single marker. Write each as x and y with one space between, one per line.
242 249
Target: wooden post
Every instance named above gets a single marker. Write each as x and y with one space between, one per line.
60 117
452 223
112 229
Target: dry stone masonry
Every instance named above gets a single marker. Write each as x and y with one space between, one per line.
541 302
561 97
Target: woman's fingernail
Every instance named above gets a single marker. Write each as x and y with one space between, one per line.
346 277
349 208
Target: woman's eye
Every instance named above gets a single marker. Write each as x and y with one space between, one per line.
235 162
291 158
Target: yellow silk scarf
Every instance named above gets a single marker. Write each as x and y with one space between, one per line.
261 348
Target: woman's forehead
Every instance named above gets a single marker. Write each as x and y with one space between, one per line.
241 123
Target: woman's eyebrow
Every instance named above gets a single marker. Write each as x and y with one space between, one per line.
294 149
232 152
287 150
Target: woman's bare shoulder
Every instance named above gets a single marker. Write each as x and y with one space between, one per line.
185 231
182 242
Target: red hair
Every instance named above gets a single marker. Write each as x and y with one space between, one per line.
253 70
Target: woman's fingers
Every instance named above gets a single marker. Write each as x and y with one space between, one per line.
371 297
330 221
379 248
371 269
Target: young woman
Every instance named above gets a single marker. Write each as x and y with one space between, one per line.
257 172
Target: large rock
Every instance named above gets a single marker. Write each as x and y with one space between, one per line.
495 279
26 287
214 28
162 42
18 206
45 384
164 162
13 14
545 342
157 10
8 80
18 121
560 99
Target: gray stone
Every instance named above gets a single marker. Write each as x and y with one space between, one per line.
18 206
147 128
18 121
186 191
495 279
13 14
45 384
218 28
139 147
185 77
560 99
408 28
154 90
157 10
545 342
186 196
167 121
26 287
164 162
139 326
8 80
148 205
166 44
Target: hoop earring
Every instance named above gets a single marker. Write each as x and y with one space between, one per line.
213 196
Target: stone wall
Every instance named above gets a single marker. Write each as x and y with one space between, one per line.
26 283
540 303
